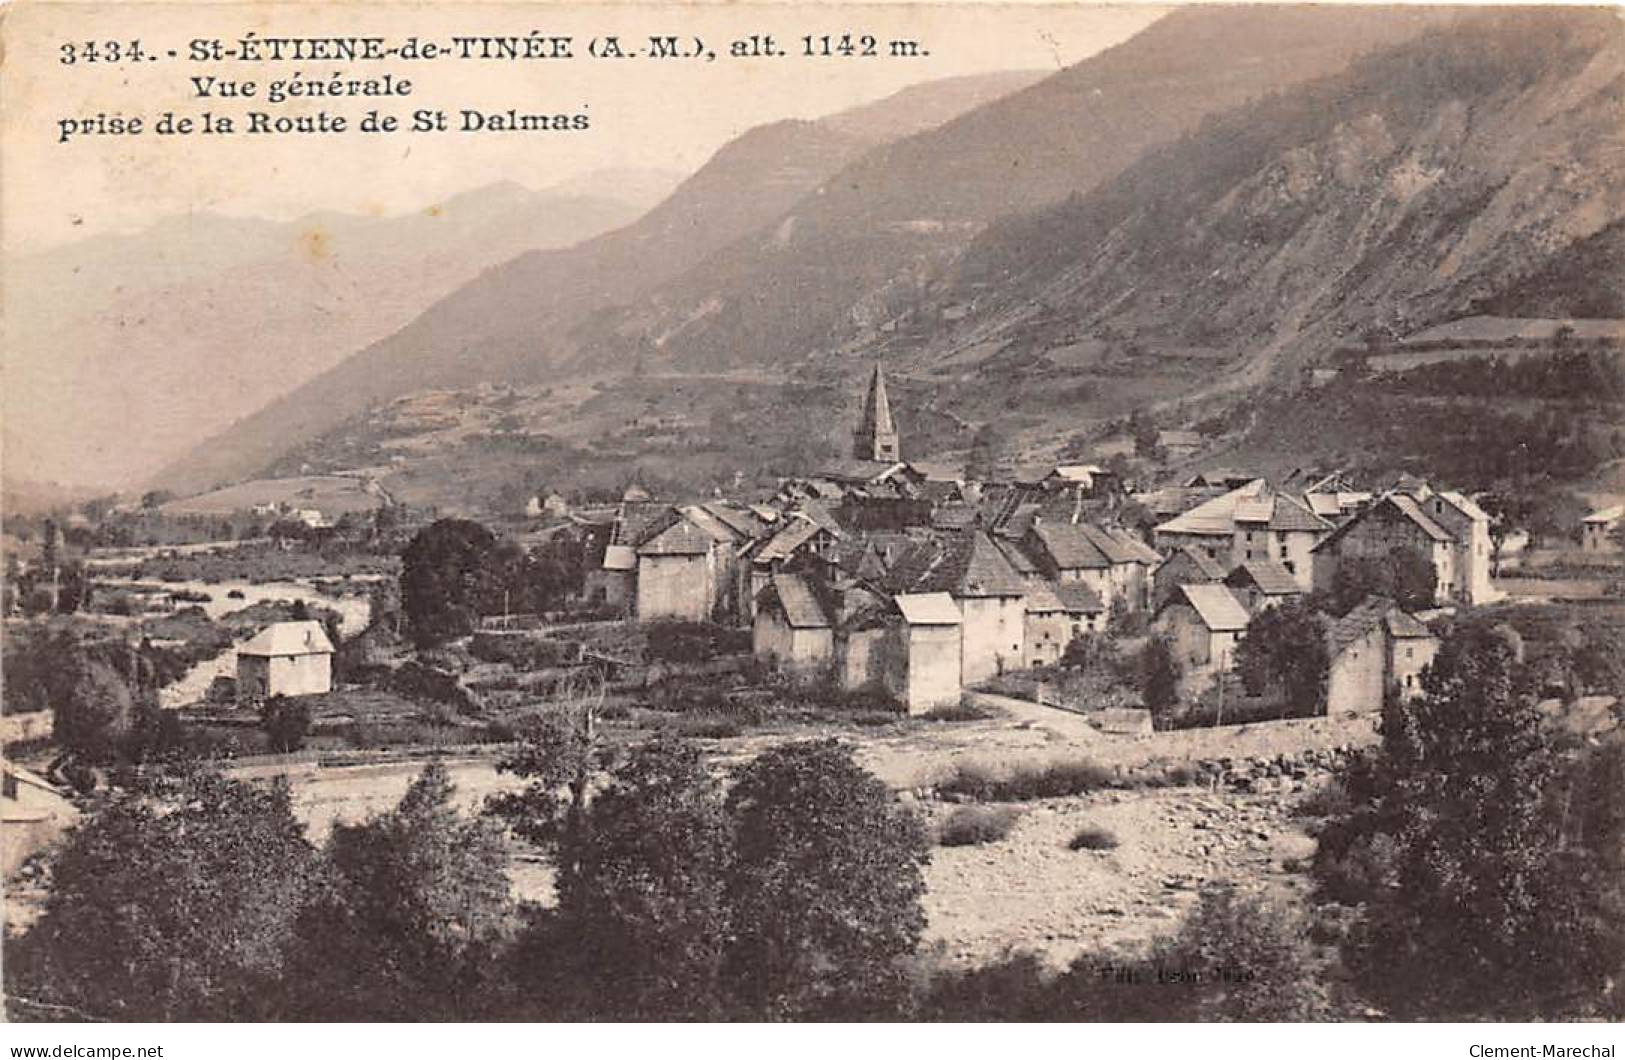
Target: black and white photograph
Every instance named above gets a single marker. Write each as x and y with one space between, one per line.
813 513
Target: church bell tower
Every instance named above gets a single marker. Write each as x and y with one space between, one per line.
876 437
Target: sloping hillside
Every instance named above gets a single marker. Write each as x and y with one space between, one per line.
505 324
1425 179
845 262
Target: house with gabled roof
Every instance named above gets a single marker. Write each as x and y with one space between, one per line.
926 673
686 567
1056 615
986 589
1262 584
285 659
1251 522
1597 530
1203 622
794 627
1400 521
1374 651
1188 565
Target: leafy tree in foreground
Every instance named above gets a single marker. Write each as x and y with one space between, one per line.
825 888
1476 906
414 904
179 907
287 723
644 906
1285 647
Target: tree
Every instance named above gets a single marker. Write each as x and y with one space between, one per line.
644 904
1405 576
96 707
443 576
1285 647
287 723
558 753
172 905
414 904
1472 906
1250 959
825 888
1159 676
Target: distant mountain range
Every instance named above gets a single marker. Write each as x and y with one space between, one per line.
164 336
503 325
1246 188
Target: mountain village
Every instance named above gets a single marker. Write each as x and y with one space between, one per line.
1142 566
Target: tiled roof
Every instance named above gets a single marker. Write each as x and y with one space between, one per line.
681 538
1217 516
1041 600
1069 548
849 471
1464 504
928 609
964 564
799 530
1016 556
795 597
1365 617
1290 514
289 638
741 521
1077 598
714 528
1414 512
1217 606
1138 551
1267 575
1210 567
1402 626
620 557
637 521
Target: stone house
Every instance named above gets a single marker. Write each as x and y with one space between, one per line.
285 659
793 629
927 673
1111 561
1394 523
798 543
1597 531
1374 650
990 596
1203 622
1249 523
1187 566
1055 615
1262 583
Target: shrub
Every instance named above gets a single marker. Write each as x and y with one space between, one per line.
1028 782
1329 800
286 722
962 711
975 825
1093 837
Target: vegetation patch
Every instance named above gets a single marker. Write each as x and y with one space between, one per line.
1093 837
975 825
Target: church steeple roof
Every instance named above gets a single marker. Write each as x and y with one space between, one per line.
876 437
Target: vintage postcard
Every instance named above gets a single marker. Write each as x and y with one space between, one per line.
791 512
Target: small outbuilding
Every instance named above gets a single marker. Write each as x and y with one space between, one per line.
285 659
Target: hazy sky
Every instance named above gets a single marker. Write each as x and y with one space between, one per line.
667 114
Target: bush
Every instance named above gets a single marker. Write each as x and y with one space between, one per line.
962 711
1028 782
286 722
975 825
1093 837
1331 799
708 726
